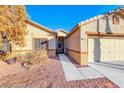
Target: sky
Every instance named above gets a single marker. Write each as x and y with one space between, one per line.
65 16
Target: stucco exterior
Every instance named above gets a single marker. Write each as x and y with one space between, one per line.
73 45
91 42
96 47
104 24
61 32
35 32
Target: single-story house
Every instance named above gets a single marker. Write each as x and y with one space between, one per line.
38 34
42 37
98 39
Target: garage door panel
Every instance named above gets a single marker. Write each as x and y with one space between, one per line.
90 50
109 49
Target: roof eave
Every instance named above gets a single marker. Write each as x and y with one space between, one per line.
39 26
76 27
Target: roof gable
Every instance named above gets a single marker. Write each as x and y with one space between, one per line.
39 26
119 11
63 31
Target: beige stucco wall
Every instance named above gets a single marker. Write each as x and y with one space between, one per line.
74 55
105 25
60 33
101 25
73 43
83 47
34 32
79 39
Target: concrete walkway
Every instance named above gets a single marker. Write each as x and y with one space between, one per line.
113 74
70 71
90 73
73 73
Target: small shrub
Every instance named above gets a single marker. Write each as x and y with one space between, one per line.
3 55
37 57
24 58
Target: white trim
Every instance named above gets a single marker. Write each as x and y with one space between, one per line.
100 16
40 25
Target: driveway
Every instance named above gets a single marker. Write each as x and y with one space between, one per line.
114 74
93 71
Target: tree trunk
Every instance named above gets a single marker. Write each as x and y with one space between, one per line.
5 43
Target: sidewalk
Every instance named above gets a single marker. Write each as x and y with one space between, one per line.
72 73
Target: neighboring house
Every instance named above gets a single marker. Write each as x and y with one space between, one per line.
98 39
40 37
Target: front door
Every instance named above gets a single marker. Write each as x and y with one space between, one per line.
60 46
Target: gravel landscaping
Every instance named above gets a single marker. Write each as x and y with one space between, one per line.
7 69
50 75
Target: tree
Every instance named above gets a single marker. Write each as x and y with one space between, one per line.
12 25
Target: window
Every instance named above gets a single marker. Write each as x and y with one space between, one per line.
40 43
115 19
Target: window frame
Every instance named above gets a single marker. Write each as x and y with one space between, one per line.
34 49
116 19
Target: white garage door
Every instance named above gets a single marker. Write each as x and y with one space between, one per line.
105 50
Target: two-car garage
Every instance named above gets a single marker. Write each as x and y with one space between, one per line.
98 39
105 49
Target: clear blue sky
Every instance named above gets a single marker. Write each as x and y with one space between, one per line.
64 17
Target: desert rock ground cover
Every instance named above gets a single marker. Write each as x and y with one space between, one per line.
6 69
48 75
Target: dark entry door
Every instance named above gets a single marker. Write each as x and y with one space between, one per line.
60 46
